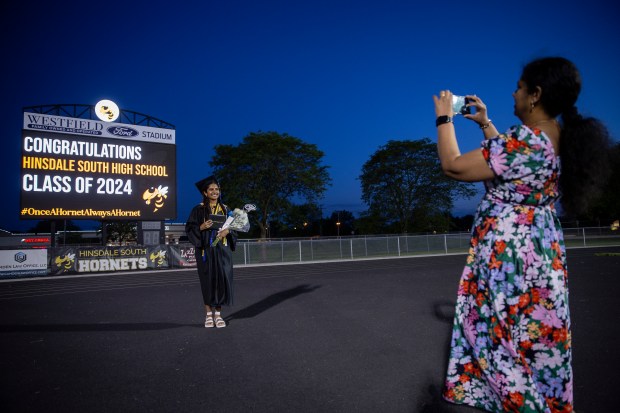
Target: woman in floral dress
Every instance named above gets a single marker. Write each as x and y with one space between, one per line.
511 339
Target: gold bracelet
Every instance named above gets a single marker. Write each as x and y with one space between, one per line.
483 127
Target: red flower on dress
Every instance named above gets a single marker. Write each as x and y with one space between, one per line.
513 402
472 369
500 246
555 406
560 335
545 330
512 145
557 264
513 309
494 263
497 331
449 394
524 299
463 288
517 399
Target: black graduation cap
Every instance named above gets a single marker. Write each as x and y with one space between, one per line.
203 184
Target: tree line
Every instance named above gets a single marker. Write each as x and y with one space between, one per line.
402 186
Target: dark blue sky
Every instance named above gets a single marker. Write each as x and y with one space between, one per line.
345 75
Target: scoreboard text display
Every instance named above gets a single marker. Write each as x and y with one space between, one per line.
76 168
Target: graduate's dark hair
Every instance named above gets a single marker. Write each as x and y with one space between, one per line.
584 141
204 184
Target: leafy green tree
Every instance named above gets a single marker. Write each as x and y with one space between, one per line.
463 223
341 223
404 186
270 170
370 222
430 221
607 207
303 219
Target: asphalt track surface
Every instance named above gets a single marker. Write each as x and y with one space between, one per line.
353 336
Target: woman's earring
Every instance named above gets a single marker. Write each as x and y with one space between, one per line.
532 104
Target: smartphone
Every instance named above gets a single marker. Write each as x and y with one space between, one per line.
459 105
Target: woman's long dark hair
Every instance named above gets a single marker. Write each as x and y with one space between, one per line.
584 141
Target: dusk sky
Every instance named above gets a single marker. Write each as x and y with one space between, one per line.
347 76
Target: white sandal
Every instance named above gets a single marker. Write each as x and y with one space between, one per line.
209 320
219 321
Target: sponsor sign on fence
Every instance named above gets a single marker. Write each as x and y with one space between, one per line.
23 263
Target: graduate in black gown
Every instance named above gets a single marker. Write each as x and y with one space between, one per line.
215 268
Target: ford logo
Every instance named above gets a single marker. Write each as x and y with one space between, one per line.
122 131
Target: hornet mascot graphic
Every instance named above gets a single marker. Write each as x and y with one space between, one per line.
157 195
65 262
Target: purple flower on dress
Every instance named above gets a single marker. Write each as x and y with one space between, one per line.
508 267
547 317
554 384
524 189
547 238
457 352
508 289
469 331
539 221
499 163
568 392
545 293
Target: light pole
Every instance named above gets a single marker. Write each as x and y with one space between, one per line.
338 225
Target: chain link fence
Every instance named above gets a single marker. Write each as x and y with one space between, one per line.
350 248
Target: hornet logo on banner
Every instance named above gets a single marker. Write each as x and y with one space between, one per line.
158 258
65 263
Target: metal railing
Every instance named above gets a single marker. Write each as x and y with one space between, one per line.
351 248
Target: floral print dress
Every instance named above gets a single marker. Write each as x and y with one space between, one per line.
511 340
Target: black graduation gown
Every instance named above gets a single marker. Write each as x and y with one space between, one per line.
214 264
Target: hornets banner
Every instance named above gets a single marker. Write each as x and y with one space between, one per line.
69 260
85 260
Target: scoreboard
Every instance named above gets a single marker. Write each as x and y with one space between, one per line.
73 168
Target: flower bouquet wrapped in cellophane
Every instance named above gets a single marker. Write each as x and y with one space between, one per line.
237 220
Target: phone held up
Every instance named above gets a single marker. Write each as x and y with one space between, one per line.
459 105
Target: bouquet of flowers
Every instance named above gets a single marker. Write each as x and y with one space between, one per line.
237 221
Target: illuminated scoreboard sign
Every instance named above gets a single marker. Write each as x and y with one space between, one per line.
87 169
